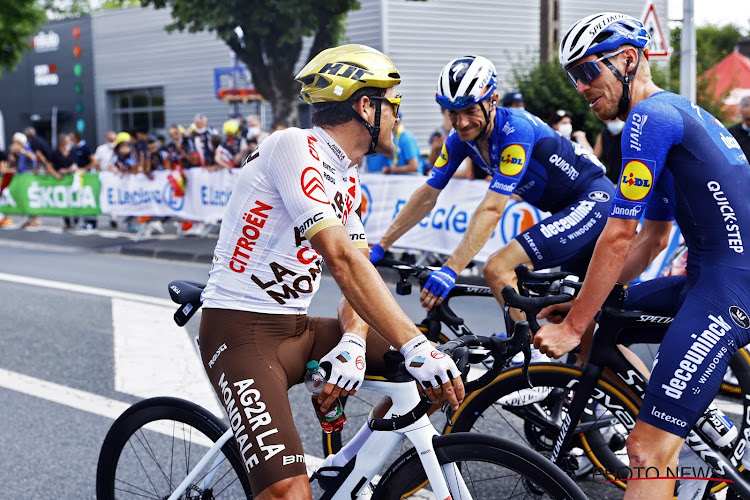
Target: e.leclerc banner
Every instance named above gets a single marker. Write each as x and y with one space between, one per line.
45 195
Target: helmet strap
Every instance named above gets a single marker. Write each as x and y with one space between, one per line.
374 130
624 105
483 132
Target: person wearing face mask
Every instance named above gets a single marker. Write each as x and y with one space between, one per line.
741 130
607 148
562 121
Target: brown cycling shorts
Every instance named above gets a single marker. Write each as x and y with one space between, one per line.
252 359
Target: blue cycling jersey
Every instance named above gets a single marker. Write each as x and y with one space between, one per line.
668 134
528 158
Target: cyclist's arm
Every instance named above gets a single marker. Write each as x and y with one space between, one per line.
482 224
349 320
419 205
605 268
647 244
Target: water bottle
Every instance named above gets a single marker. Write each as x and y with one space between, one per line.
334 419
717 427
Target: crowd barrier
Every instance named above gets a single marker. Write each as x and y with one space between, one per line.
207 193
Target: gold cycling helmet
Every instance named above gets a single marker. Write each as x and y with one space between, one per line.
336 73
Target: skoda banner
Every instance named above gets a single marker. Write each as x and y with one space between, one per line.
45 195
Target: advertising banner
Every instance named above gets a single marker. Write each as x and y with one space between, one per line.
206 194
45 195
441 231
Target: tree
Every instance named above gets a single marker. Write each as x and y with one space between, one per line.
19 19
547 88
266 35
713 43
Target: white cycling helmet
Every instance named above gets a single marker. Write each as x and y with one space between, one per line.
599 34
465 81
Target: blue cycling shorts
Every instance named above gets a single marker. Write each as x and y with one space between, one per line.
567 238
711 324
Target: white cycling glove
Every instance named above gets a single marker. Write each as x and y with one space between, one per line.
347 361
429 366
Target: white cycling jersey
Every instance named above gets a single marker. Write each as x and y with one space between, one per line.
295 184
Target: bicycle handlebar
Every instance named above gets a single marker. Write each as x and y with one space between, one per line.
460 350
532 305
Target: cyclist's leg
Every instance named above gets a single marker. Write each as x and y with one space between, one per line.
499 271
246 356
655 450
687 374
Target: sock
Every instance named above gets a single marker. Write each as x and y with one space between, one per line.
352 447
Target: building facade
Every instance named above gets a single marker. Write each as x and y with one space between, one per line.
136 74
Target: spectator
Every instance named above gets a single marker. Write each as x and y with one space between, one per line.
741 130
123 161
562 122
85 161
21 155
240 123
141 150
406 158
437 138
6 173
159 157
607 148
513 100
181 148
229 152
255 132
62 160
201 133
104 152
40 147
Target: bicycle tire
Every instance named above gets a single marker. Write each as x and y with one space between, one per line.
128 467
481 406
488 465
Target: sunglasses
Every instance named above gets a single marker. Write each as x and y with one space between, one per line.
395 102
588 71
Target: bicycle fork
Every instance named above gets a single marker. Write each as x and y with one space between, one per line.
215 449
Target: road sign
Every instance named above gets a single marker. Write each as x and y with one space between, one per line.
658 46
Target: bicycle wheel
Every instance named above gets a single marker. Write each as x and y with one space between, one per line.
151 448
507 408
490 467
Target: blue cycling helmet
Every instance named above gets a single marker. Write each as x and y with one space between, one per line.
465 81
599 34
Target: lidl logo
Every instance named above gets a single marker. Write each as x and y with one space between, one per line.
443 158
636 181
512 160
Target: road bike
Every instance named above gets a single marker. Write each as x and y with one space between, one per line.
569 399
168 448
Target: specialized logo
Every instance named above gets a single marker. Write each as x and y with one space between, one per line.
600 196
512 160
457 71
443 158
637 180
739 317
312 185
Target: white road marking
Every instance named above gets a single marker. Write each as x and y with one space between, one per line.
155 357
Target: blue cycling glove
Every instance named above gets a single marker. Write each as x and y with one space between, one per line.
441 282
376 253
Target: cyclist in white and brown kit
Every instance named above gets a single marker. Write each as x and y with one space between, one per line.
294 206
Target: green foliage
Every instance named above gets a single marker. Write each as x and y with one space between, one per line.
271 41
713 43
59 9
19 19
546 88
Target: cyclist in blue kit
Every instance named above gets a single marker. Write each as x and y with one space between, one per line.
525 157
671 149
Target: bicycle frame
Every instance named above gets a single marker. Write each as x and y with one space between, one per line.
618 327
374 452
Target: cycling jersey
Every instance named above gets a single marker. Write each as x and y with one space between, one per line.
678 158
295 184
709 170
530 159
527 157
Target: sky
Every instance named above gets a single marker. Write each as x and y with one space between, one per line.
715 12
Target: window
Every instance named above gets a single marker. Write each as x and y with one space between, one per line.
138 108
